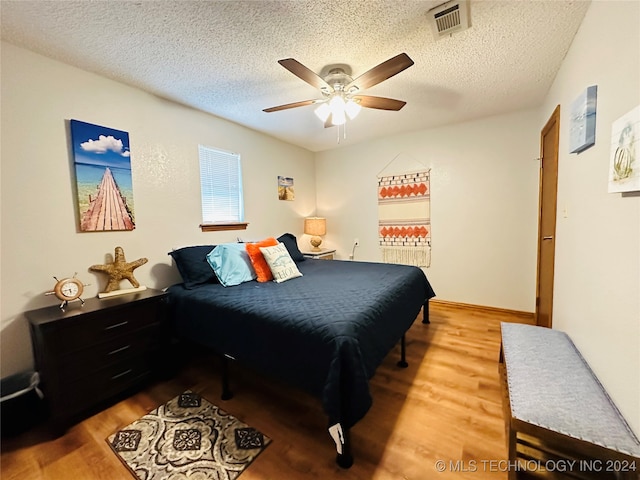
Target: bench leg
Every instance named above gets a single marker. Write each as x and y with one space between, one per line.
512 446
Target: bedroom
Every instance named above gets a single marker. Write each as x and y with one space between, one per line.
483 254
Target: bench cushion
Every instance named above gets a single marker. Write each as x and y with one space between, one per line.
552 386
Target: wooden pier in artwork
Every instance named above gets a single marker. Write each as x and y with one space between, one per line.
108 210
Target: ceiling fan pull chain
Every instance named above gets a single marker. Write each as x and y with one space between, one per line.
344 132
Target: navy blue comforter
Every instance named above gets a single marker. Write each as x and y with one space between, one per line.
325 332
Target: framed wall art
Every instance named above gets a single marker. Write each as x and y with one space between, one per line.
103 176
285 188
582 128
624 173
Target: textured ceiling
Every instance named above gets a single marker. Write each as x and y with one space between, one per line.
221 56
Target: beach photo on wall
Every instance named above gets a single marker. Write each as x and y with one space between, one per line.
582 120
103 175
624 165
285 188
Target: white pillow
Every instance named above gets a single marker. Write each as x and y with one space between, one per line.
280 263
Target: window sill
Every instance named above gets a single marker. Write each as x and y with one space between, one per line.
218 227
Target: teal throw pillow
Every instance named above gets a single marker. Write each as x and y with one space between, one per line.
231 264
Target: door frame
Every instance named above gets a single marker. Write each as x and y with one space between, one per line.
553 122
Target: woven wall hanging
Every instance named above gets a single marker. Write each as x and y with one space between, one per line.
404 218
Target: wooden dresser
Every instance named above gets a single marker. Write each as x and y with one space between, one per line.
89 354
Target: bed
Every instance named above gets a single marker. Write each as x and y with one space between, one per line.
325 332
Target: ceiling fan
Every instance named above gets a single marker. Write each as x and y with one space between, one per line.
341 93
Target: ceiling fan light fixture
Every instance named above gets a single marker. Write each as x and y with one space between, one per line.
323 112
338 118
336 103
352 108
337 106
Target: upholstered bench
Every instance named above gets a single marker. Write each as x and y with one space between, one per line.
559 418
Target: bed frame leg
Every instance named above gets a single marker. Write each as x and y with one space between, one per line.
345 459
425 312
227 394
403 353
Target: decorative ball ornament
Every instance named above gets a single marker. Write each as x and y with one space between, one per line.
67 290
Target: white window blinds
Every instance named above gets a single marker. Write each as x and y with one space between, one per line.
220 186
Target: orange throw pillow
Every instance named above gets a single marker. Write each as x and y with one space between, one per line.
257 260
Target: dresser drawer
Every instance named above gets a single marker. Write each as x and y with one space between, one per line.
89 330
84 393
80 363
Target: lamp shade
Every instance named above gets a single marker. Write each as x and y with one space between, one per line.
315 226
323 112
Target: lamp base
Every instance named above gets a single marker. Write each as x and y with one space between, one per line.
315 242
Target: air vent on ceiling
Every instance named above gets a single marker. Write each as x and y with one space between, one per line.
448 18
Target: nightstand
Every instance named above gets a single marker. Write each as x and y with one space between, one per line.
89 354
323 254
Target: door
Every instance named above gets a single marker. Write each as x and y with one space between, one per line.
549 138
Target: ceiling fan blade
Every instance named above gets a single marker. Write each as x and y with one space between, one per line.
381 103
381 72
305 74
304 103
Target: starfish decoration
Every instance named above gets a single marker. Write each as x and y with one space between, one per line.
120 269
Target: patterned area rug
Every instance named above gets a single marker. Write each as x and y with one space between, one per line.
187 438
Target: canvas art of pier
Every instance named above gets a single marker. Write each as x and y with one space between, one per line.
103 175
108 209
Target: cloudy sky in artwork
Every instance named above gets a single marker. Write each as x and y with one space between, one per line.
96 145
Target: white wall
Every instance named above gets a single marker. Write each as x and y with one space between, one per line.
38 219
597 270
484 194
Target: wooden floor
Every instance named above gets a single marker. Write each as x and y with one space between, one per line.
441 418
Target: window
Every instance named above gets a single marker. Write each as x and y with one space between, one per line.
221 190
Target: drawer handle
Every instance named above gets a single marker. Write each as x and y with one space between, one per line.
121 324
126 372
118 350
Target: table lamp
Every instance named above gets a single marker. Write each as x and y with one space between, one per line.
315 226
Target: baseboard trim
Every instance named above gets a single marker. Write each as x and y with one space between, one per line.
526 317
